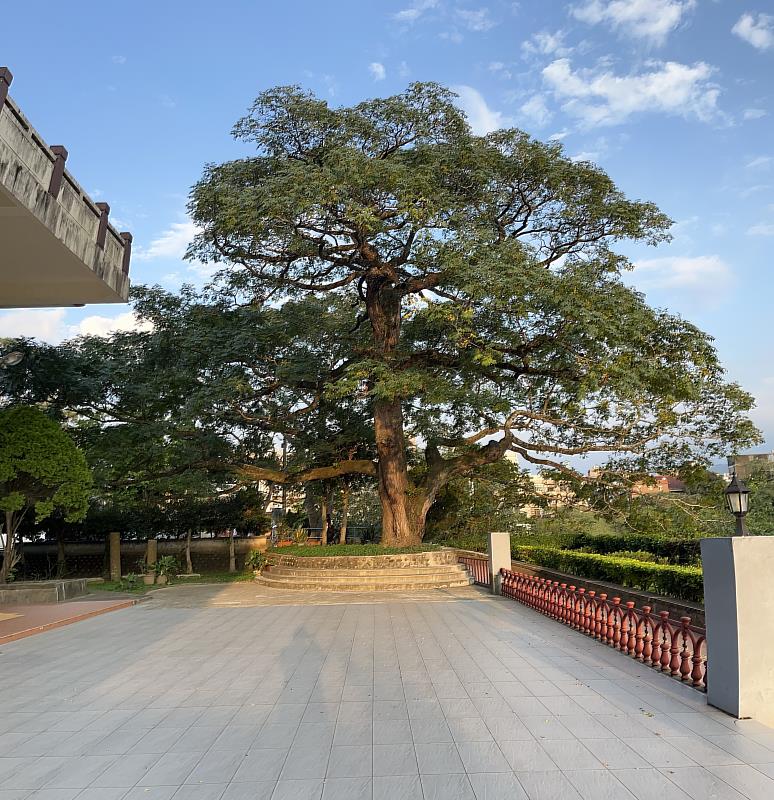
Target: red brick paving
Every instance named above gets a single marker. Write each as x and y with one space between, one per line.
41 617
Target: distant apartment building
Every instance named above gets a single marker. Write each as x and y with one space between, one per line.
660 484
742 465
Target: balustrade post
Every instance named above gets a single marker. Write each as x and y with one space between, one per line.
499 553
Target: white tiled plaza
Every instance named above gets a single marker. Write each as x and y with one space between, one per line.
236 693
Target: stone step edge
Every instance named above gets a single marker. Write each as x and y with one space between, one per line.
389 582
360 587
451 569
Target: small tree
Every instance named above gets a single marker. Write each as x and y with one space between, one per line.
41 470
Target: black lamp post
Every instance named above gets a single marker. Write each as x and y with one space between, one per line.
737 497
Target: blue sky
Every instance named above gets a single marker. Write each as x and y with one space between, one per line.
674 98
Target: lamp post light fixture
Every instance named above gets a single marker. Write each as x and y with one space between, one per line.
11 359
737 497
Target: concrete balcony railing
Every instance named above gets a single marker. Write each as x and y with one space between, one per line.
57 247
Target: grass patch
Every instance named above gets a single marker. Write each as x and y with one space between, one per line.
217 577
141 588
119 586
317 551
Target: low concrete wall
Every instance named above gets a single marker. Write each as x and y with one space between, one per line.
677 608
26 592
429 559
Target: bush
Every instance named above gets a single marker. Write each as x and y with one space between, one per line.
682 582
675 551
686 552
167 565
637 555
255 560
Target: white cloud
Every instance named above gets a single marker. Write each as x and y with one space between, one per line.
119 59
404 70
761 162
703 275
415 11
652 20
98 325
559 135
377 70
600 97
477 20
172 243
50 324
754 113
536 111
453 36
757 32
762 229
481 118
500 69
546 44
46 324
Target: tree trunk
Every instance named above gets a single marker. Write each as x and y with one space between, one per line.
188 563
324 509
312 507
403 517
403 513
9 551
231 552
61 564
344 514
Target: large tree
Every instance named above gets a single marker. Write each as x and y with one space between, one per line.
486 307
41 471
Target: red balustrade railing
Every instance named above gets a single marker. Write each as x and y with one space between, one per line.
676 648
478 568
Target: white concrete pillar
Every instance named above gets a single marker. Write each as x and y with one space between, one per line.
739 607
499 556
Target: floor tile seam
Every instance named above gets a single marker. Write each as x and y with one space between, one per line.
571 636
738 789
453 742
665 771
342 618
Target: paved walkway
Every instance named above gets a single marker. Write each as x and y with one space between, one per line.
469 696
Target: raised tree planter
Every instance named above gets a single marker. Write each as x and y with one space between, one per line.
386 572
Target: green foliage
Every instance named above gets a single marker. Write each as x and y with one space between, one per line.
684 552
41 469
383 255
760 519
488 499
685 583
167 565
636 555
255 560
129 583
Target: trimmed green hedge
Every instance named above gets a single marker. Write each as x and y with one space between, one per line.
682 582
677 551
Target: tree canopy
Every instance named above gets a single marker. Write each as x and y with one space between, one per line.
402 300
41 471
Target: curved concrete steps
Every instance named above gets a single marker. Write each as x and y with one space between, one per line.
357 574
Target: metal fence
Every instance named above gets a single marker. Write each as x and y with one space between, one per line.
676 648
478 566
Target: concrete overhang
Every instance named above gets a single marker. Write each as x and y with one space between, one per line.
57 247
